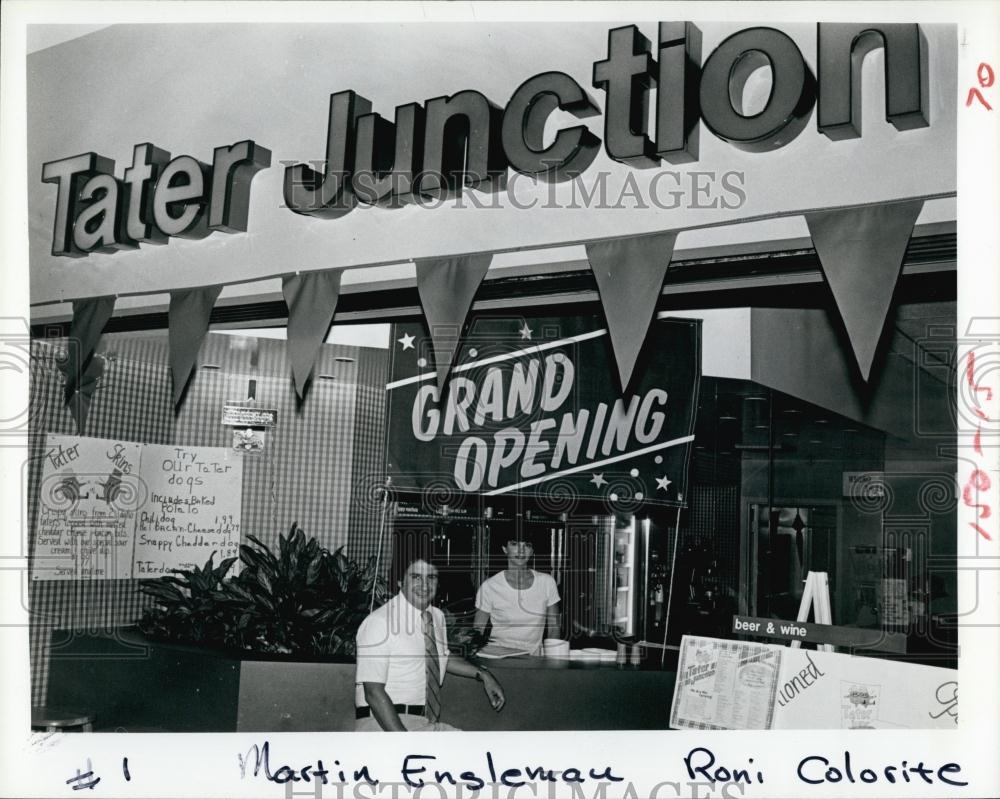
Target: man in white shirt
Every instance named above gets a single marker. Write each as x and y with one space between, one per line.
402 656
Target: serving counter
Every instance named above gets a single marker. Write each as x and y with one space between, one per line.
130 683
549 694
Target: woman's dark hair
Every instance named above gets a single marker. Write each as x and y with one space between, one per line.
533 536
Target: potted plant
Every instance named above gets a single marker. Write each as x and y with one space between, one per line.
302 601
289 616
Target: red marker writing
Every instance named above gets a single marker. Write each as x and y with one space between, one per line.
984 74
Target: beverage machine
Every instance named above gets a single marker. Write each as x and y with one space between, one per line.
640 575
611 570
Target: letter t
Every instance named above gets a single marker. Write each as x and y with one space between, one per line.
70 175
625 76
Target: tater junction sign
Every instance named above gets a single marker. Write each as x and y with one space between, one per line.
438 148
715 123
465 140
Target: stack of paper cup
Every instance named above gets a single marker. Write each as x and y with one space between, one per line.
555 648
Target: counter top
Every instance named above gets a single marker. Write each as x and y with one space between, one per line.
650 662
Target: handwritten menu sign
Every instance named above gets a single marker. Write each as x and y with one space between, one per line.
192 508
89 494
117 509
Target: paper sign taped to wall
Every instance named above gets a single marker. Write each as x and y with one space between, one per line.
192 508
89 494
115 510
895 602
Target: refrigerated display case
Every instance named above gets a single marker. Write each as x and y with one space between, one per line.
585 577
641 556
626 570
457 539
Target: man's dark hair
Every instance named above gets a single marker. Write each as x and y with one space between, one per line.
408 550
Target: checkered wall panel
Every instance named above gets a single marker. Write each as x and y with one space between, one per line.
131 402
369 461
713 518
306 475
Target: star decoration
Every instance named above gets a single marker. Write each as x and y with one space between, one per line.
598 480
662 482
406 341
525 331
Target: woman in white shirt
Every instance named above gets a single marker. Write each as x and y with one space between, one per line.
521 604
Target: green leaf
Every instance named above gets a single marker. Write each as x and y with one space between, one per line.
240 591
313 571
262 547
223 568
208 563
161 591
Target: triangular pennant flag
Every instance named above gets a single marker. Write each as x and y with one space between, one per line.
446 287
79 408
89 318
629 275
861 251
311 299
79 403
188 322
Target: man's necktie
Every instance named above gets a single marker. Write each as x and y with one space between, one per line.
432 700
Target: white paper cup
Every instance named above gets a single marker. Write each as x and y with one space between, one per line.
555 648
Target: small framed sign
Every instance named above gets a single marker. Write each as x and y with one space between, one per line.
244 416
871 484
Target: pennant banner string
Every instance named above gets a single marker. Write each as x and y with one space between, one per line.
311 299
629 274
861 252
79 403
188 319
447 287
89 319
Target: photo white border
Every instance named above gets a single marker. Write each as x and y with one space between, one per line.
206 765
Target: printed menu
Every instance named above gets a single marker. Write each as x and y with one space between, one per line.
725 685
740 685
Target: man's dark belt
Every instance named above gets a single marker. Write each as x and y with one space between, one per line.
411 710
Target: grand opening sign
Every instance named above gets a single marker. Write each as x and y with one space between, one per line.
529 408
